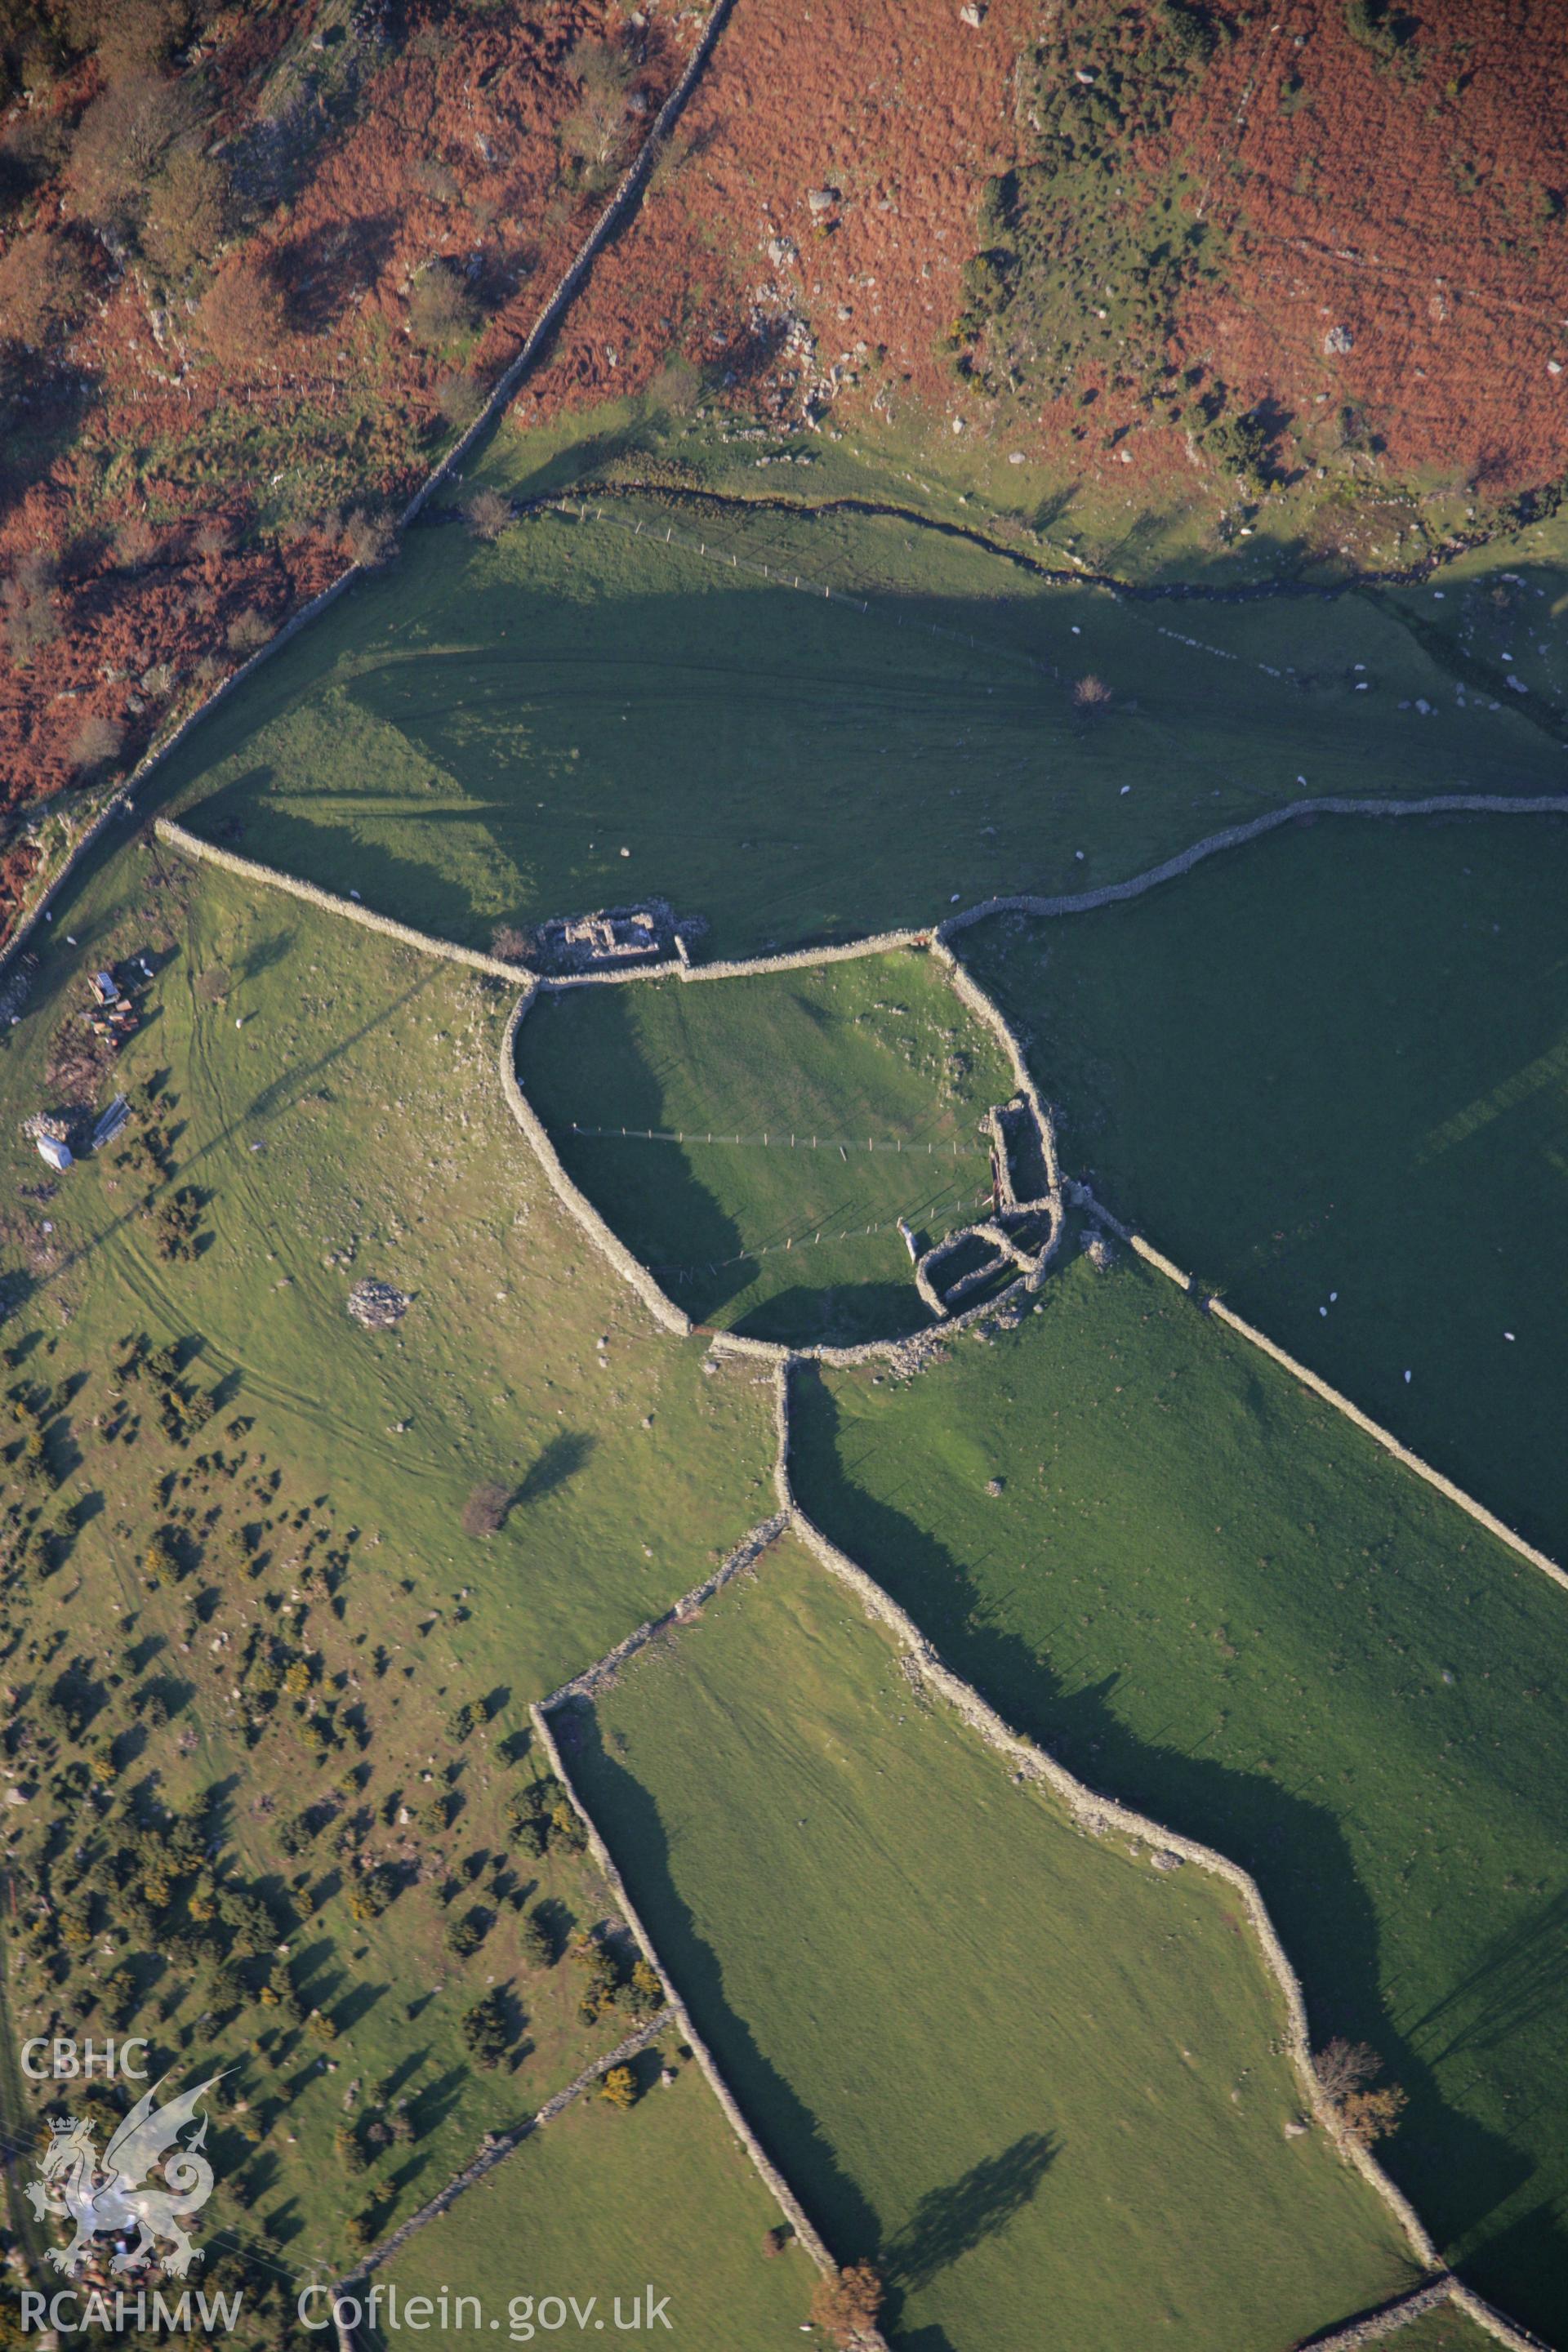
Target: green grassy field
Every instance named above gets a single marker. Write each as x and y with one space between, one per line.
1028 2074
809 1067
335 1103
1443 2330
475 736
1211 1596
1330 1075
608 2205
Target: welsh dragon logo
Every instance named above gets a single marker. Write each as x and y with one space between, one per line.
114 2196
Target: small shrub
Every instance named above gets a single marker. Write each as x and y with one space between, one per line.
677 386
484 1513
119 143
1092 698
28 601
43 287
595 132
486 2034
538 1942
620 2088
465 1936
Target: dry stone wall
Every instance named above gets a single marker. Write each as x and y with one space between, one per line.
632 1270
1096 1816
1084 902
500 2145
1378 2327
1353 1413
625 195
597 1676
250 869
778 2186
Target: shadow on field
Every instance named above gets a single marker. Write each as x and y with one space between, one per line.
1455 2172
948 2222
629 1821
556 1462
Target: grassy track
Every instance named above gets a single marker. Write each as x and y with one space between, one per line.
476 736
1332 1077
878 1050
1213 1598
607 2205
1030 2073
339 1108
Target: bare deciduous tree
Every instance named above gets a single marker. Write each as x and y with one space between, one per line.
241 318
368 538
1343 2066
440 306
512 945
248 630
187 210
487 514
43 287
119 143
596 131
97 743
460 400
28 600
1092 697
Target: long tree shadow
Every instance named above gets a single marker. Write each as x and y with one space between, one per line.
1455 2169
629 1821
949 2222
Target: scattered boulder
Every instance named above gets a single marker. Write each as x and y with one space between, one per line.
377 1306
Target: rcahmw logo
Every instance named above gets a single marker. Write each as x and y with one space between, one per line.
117 2196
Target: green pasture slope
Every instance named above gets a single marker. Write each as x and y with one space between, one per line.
474 737
336 1103
1038 2081
1212 1596
1329 1075
605 2205
354 1126
809 1068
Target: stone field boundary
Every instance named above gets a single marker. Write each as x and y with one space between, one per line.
621 201
1093 1814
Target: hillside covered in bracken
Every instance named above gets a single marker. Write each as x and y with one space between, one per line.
259 264
1181 236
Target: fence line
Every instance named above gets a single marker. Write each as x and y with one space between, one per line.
782 1142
